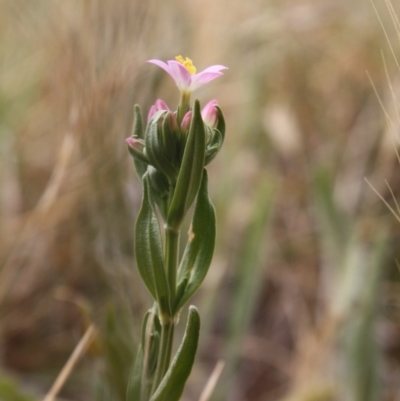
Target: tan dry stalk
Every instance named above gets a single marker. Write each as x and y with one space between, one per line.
69 366
212 381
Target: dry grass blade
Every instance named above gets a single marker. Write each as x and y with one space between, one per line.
386 35
212 381
68 367
384 201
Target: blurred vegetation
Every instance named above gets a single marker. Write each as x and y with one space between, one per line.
302 300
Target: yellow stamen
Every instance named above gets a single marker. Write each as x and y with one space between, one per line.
187 63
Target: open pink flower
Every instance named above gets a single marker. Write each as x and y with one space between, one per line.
184 74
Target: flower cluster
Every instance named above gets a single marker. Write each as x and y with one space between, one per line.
162 144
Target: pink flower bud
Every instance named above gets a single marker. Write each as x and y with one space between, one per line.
173 122
136 148
187 119
161 105
134 143
210 113
157 106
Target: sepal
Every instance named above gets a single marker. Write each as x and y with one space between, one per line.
139 157
221 126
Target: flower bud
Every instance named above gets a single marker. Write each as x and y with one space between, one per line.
216 135
187 119
136 148
170 135
210 113
161 142
157 106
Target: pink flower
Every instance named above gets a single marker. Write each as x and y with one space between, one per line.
210 113
184 74
157 106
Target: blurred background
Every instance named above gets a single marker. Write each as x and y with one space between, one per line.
302 301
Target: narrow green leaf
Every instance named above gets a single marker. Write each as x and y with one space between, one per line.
200 247
137 129
148 250
191 170
133 392
173 383
150 344
335 227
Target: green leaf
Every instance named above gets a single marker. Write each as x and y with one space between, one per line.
133 392
173 383
191 170
148 250
200 247
138 132
137 129
140 380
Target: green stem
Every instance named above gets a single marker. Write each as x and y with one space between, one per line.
164 355
171 260
171 256
184 105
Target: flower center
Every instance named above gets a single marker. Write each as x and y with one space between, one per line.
187 63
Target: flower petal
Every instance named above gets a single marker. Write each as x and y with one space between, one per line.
161 105
202 78
161 64
214 68
180 74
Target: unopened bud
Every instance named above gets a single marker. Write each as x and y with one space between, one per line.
157 106
136 148
210 113
187 119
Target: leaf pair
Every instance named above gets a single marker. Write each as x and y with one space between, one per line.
173 383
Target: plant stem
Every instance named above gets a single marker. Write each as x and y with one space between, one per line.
171 260
171 255
164 354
